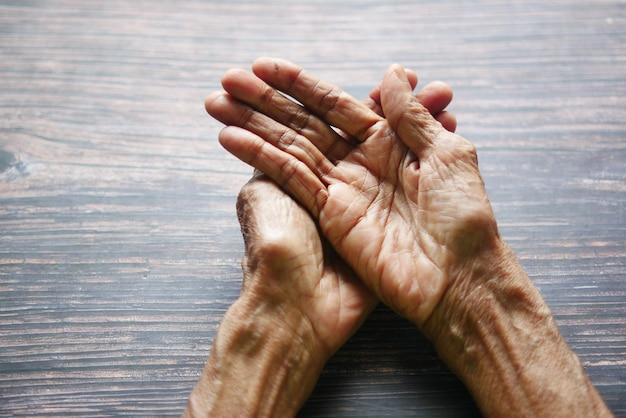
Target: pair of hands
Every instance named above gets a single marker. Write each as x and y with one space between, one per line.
391 207
395 193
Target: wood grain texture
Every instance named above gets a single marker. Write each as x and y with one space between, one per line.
119 245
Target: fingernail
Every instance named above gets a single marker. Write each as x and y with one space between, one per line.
400 72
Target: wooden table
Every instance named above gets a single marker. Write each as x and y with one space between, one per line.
119 244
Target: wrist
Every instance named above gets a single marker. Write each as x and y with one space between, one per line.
497 334
264 362
479 288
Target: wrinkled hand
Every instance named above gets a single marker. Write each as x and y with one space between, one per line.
401 199
287 262
290 269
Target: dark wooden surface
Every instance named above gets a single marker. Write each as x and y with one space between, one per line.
119 246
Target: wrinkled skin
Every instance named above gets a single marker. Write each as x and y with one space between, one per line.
399 198
288 263
405 214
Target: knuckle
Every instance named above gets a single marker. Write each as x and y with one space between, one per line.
286 139
289 168
267 95
329 99
245 118
299 120
466 151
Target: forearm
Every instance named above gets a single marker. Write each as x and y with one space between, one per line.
258 366
501 340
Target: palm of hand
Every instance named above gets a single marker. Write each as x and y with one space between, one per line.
297 271
398 221
402 225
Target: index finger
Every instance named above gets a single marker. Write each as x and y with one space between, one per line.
328 101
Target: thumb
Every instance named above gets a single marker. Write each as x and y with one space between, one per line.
406 116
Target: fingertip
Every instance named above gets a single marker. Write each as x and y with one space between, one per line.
395 80
447 120
435 96
375 94
394 87
406 113
232 138
263 62
277 72
398 71
412 77
212 101
223 136
442 87
263 67
230 74
233 78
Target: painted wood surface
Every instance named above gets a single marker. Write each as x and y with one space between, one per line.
119 245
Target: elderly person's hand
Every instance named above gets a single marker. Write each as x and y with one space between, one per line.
401 200
299 303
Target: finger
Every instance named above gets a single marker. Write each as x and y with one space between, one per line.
286 170
332 104
435 96
231 112
447 120
373 100
248 88
406 116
